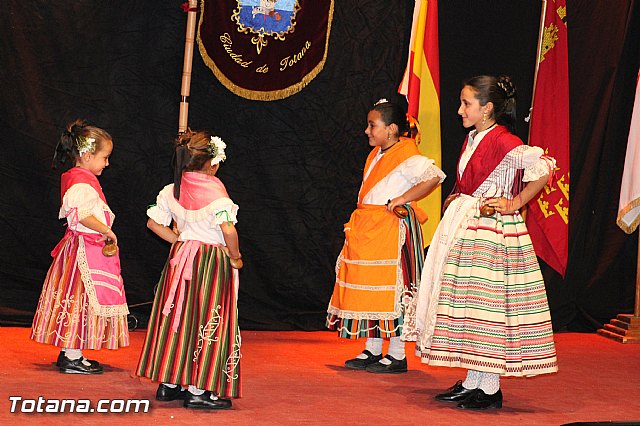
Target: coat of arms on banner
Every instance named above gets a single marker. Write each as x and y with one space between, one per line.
265 49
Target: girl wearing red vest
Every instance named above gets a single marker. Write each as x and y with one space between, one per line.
83 305
482 303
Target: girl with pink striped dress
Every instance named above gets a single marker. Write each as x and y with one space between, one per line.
83 304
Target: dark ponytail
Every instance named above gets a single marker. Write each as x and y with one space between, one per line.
190 155
78 133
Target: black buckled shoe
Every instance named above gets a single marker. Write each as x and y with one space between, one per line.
455 393
205 402
478 400
62 356
361 364
78 366
166 393
396 366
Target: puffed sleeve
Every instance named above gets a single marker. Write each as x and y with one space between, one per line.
224 210
82 198
418 168
160 212
536 164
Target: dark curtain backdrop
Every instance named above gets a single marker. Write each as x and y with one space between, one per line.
294 166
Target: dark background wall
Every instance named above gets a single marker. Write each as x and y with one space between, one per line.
294 165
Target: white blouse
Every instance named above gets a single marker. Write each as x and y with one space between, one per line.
199 225
81 201
472 144
410 172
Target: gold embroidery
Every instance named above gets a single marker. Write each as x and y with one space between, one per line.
549 38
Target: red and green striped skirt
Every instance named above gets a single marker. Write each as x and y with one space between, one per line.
204 350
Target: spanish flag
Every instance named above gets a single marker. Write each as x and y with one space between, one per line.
421 86
548 216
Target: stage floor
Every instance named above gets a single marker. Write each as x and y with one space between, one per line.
298 378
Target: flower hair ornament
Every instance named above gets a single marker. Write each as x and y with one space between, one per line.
381 101
216 150
84 144
508 89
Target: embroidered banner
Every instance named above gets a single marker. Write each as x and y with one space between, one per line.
265 49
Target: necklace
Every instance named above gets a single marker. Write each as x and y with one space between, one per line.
383 150
488 128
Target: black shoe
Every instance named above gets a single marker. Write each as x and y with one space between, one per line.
361 364
455 393
77 366
204 402
478 400
165 393
61 356
396 366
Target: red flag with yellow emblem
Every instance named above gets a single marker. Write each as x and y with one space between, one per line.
548 215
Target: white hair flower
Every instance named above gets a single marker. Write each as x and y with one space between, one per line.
85 144
216 150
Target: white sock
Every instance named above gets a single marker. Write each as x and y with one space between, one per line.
73 354
195 391
489 383
373 345
396 348
473 379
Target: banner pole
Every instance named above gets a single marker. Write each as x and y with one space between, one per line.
543 16
187 63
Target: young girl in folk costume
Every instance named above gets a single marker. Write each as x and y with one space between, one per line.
193 338
82 305
382 255
482 303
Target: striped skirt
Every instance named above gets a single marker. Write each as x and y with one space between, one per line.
63 317
204 351
492 312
